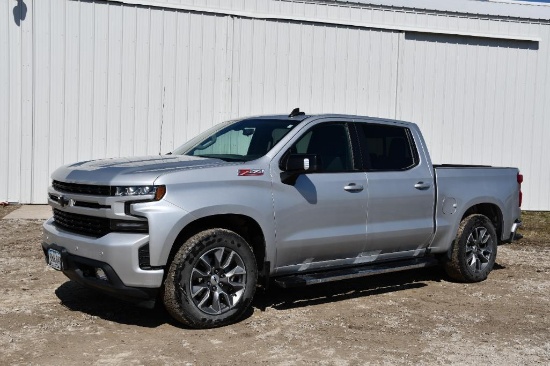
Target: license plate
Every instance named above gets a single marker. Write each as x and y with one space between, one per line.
54 259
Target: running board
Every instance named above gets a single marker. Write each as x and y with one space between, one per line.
354 272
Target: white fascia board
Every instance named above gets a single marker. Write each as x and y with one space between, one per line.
331 21
498 8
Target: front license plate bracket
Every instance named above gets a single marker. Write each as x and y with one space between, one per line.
54 259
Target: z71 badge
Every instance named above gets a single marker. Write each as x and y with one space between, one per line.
250 172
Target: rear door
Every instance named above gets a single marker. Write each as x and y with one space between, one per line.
400 190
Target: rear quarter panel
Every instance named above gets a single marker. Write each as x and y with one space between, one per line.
460 188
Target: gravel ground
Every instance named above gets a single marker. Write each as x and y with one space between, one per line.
405 318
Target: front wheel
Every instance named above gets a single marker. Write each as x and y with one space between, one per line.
474 250
211 280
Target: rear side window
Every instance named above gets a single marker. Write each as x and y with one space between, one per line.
387 148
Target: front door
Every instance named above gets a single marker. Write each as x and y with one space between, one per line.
321 219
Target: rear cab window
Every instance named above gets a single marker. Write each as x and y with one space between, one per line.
387 147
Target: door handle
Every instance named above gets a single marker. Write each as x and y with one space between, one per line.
352 187
422 185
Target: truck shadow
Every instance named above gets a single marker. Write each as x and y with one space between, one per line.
77 298
281 299
81 299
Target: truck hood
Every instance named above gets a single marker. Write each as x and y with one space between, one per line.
141 170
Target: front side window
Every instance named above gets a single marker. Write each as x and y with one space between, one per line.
388 148
243 140
330 142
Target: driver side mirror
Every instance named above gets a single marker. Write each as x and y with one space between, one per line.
296 164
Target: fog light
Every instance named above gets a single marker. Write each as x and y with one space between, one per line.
100 274
125 225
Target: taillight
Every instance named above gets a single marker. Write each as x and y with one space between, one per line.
520 180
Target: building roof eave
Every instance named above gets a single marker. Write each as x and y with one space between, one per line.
498 8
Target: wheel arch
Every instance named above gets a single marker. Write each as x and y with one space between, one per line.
492 212
245 226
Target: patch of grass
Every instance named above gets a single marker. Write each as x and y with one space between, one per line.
536 228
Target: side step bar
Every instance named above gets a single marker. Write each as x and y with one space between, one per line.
354 272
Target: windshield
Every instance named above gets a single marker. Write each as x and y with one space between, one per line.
242 140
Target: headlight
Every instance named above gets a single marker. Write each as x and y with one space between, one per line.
134 191
157 191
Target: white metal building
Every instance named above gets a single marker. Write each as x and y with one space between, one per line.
90 79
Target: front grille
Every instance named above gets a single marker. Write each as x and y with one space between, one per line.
55 198
82 224
82 188
96 226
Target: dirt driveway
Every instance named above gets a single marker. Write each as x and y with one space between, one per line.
405 318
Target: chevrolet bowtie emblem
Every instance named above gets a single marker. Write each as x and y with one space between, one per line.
64 201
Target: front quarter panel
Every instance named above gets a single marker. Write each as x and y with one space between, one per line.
165 222
216 191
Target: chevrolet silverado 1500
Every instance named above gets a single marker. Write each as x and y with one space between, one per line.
291 200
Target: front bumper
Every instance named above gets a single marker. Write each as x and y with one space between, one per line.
83 271
115 253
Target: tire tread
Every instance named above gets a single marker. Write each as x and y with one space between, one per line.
455 267
194 246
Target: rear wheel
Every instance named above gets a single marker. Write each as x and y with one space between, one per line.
474 250
211 280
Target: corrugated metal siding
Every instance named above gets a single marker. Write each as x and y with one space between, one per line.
460 94
111 79
118 80
15 93
7 48
480 102
534 126
89 80
278 65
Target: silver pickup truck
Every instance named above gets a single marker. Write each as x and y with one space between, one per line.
289 200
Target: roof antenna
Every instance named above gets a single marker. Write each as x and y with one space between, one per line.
296 112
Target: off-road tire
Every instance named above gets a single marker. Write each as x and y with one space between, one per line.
474 250
217 287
